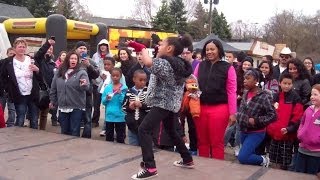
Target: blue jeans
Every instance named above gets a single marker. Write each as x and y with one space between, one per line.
133 138
229 132
70 122
11 110
21 110
307 164
250 141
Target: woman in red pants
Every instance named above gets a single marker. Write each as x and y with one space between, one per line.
217 81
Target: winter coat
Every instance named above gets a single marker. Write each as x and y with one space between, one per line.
289 112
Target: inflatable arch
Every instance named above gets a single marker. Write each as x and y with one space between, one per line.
57 25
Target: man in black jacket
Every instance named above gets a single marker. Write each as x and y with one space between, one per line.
44 57
93 72
284 57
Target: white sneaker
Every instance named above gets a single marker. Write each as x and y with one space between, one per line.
236 151
266 161
103 133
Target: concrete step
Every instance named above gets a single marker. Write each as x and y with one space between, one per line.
32 154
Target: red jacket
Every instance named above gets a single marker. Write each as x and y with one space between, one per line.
2 122
289 111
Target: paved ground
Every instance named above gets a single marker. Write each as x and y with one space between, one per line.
32 154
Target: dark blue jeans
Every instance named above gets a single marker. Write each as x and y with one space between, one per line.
70 122
21 110
307 164
11 110
250 141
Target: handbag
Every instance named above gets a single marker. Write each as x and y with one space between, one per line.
44 99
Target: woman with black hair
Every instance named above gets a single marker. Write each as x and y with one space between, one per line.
68 94
127 62
309 64
301 83
217 81
268 82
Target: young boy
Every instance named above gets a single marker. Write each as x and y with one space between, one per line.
289 110
135 106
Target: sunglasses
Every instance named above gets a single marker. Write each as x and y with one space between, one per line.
284 57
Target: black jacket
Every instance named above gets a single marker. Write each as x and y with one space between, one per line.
10 84
46 64
276 72
1 80
303 88
131 114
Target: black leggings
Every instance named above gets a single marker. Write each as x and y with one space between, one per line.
146 129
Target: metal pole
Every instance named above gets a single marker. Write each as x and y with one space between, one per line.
210 17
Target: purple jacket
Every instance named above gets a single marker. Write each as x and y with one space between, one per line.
309 130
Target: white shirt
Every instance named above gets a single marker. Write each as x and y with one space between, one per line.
282 69
23 75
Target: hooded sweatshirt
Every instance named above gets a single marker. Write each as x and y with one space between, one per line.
309 130
98 58
166 83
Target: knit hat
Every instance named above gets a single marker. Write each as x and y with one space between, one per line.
249 59
80 43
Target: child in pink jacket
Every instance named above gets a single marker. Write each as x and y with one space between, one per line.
308 160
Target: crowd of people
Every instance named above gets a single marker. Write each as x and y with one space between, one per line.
269 114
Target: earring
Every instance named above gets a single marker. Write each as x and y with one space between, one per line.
257 84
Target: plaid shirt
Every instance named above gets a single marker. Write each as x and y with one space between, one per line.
260 108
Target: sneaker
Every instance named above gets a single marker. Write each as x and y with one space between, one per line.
266 161
144 174
189 165
236 151
103 133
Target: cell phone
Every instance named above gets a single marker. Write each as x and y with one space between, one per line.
53 38
83 55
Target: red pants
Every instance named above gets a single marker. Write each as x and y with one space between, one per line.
2 122
210 128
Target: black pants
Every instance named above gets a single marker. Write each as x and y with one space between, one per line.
96 104
120 128
192 133
146 128
86 117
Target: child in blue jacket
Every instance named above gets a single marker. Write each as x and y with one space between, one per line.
112 97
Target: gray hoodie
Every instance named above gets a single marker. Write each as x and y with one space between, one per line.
98 60
68 93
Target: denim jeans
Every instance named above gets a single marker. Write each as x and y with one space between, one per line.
25 105
234 128
133 138
11 110
250 141
70 122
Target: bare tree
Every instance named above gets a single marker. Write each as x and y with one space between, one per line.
143 10
299 32
245 31
190 8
